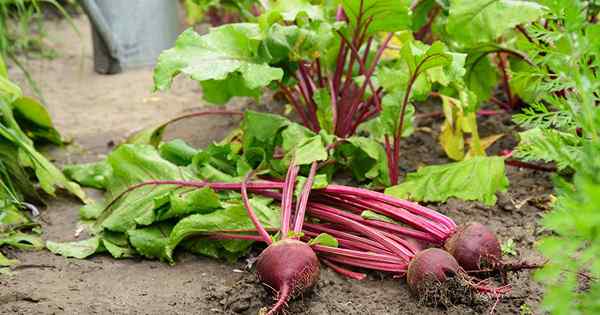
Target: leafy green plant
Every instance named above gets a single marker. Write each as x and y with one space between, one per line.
23 120
337 73
488 32
564 127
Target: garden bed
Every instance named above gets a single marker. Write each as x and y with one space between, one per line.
98 110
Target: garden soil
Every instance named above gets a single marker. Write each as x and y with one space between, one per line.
97 111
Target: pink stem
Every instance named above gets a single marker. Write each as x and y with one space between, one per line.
396 268
287 198
320 228
301 88
358 254
320 73
393 170
395 213
301 208
334 105
259 227
392 227
343 271
321 213
346 243
410 206
290 97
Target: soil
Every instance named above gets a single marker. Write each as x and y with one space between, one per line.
97 111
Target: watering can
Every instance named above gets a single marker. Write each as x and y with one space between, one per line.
130 33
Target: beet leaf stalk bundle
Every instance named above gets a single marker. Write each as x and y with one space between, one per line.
393 245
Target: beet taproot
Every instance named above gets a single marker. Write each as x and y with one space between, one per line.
474 246
288 267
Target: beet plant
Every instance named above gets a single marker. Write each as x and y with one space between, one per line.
333 68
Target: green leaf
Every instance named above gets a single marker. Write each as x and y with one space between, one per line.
221 162
9 92
48 175
219 92
151 241
371 215
390 116
233 217
310 150
293 135
320 181
117 244
471 22
35 120
261 130
387 15
95 175
322 98
365 158
21 241
290 9
133 164
4 262
11 217
481 76
183 203
177 152
78 249
3 70
17 184
291 43
262 126
478 178
91 211
227 50
33 111
324 239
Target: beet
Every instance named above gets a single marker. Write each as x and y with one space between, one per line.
475 247
429 268
289 267
435 277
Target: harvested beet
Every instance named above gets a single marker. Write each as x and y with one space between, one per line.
435 277
475 247
289 267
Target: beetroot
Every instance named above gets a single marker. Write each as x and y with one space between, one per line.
289 267
430 267
436 278
429 273
474 246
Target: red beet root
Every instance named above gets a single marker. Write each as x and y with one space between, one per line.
289 267
429 268
475 247
436 278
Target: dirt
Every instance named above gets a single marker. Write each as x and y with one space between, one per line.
97 110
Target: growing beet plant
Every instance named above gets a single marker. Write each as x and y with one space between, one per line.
352 71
